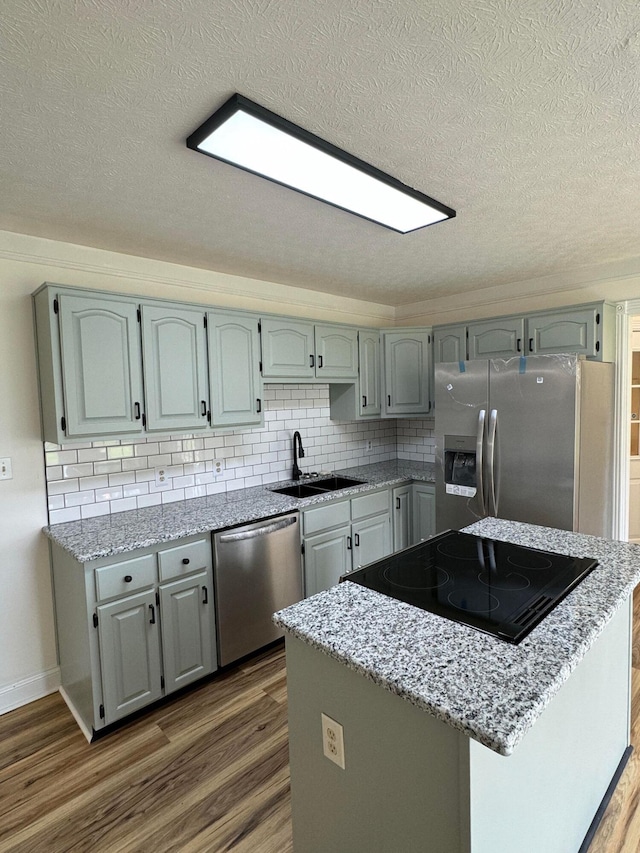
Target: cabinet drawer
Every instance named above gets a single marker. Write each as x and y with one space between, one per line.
185 559
324 517
369 504
125 577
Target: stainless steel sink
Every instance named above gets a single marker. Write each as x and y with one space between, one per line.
335 482
302 490
318 487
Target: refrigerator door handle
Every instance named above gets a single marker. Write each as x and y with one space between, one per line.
491 459
480 460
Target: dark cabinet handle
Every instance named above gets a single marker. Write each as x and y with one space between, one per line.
389 400
203 403
128 578
152 621
519 345
319 361
205 592
311 361
349 546
530 344
185 561
397 503
364 401
136 408
258 405
357 540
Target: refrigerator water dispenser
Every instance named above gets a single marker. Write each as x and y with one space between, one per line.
460 465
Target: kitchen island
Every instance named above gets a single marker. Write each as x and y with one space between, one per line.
455 741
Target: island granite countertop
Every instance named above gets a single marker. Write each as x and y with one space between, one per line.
122 532
486 688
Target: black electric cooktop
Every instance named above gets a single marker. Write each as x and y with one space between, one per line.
496 587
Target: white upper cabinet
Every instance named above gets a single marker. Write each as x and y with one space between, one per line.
234 369
369 371
294 350
288 349
450 343
360 398
407 373
588 330
174 348
336 352
500 338
566 331
101 366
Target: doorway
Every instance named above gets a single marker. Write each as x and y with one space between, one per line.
626 485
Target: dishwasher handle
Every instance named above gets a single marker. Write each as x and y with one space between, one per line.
254 532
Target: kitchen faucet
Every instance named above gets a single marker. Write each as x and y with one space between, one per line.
298 453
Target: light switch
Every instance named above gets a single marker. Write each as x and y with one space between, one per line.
6 472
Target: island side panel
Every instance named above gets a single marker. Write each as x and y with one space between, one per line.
405 783
545 795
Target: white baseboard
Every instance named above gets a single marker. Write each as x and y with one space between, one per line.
22 692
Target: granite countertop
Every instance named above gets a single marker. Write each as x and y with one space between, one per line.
488 689
126 531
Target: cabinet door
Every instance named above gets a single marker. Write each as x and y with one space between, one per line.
234 369
369 371
499 338
402 517
327 556
129 654
101 366
371 539
175 371
450 343
407 373
424 512
336 349
569 331
186 606
288 349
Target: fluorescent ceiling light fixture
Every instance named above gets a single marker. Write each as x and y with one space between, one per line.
247 135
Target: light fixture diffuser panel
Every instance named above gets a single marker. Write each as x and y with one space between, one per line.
246 135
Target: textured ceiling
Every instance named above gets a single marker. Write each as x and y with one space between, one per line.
523 115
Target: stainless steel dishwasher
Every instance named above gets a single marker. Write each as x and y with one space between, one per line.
258 570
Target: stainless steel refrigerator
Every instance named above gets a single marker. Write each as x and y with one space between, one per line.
525 439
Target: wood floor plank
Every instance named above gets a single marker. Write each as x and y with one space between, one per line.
36 779
147 789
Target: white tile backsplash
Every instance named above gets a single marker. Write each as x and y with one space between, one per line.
113 476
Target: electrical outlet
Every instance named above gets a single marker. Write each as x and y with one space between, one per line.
6 472
162 478
368 448
333 740
218 467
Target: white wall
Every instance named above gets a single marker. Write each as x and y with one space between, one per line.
27 646
28 667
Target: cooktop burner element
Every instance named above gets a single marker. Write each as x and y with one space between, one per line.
496 587
414 575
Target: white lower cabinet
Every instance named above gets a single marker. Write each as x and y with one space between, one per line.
414 514
326 558
343 535
424 511
186 606
402 517
130 631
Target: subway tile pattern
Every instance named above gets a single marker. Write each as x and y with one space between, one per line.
102 477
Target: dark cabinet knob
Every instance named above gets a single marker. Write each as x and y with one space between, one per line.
185 561
128 578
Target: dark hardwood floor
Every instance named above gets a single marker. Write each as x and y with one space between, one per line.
207 771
